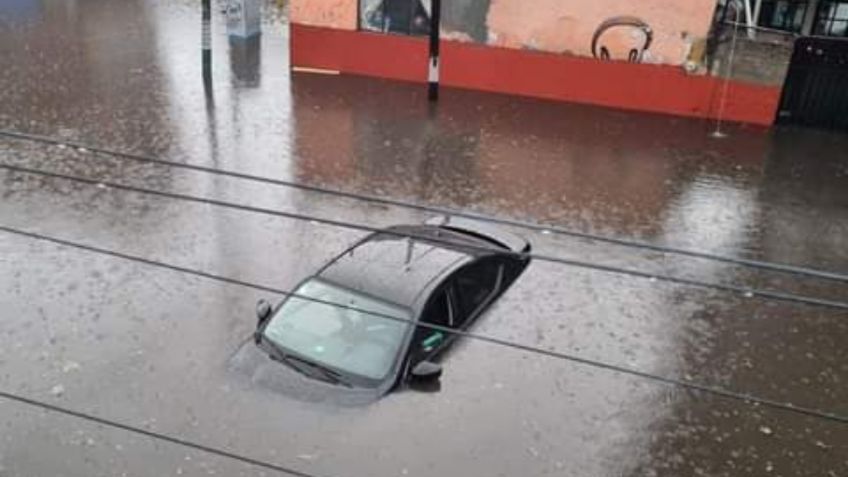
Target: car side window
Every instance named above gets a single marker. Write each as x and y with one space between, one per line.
437 312
473 286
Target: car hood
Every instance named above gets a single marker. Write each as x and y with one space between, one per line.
253 364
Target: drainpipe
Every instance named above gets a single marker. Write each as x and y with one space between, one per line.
810 17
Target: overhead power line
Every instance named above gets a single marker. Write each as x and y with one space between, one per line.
701 388
152 434
750 263
742 291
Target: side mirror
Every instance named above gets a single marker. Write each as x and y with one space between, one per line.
426 371
263 311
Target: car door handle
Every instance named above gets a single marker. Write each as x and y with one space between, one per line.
433 341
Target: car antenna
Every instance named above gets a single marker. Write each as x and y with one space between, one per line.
410 244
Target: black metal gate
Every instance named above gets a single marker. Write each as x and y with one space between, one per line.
816 90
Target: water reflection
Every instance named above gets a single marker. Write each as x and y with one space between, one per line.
584 166
657 178
246 61
81 83
16 11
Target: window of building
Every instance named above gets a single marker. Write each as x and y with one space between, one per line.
832 19
787 15
404 17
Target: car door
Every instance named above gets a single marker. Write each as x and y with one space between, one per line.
473 287
427 342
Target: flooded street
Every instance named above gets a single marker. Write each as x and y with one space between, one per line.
111 322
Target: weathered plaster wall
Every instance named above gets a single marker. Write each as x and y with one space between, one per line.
645 31
465 20
340 14
568 26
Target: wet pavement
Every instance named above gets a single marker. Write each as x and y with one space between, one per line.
157 349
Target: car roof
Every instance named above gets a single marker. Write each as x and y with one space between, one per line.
392 267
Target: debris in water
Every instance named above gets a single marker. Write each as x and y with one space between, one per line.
766 430
70 366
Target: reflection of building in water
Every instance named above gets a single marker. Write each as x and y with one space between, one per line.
246 61
352 141
20 10
591 168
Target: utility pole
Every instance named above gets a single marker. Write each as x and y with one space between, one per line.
433 70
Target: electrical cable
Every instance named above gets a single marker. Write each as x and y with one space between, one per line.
757 264
702 388
154 435
744 291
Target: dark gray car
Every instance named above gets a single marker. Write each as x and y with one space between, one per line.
357 321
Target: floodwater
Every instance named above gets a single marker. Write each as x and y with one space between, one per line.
154 348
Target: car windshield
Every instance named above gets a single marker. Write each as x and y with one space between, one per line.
341 337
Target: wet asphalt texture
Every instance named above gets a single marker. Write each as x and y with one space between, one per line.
162 350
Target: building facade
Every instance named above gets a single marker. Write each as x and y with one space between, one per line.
650 55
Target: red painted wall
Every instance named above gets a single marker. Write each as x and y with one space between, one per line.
654 88
385 56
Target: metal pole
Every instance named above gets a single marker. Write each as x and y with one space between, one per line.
749 19
433 71
758 8
810 16
206 43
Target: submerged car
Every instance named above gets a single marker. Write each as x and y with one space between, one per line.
357 322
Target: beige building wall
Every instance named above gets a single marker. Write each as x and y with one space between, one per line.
569 26
339 14
647 31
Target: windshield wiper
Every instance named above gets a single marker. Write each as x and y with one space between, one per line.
328 374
